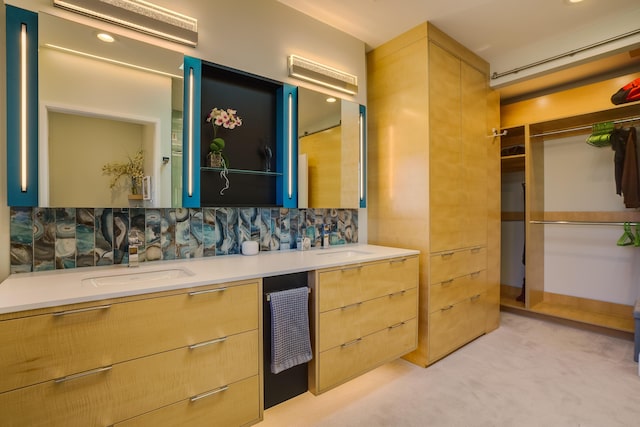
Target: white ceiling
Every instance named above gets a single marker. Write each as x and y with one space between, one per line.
506 33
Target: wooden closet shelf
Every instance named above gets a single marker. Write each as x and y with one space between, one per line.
512 216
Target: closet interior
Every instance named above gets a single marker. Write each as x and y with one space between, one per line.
563 224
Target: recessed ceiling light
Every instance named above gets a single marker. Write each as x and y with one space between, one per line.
574 1
107 38
331 99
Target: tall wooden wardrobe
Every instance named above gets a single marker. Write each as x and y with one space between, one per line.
434 181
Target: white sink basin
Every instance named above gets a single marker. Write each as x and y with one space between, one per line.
346 253
137 277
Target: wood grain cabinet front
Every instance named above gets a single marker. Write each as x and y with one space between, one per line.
364 316
458 309
105 363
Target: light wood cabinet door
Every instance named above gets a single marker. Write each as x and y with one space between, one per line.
474 171
47 346
351 359
445 149
234 405
127 389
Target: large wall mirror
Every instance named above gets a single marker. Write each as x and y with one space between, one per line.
329 149
101 103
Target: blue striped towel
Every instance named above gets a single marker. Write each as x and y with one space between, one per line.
290 342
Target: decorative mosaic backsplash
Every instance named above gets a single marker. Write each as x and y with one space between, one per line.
58 238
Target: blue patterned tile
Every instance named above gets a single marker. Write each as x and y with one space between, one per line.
168 234
65 238
120 235
265 229
210 232
285 229
196 239
183 231
85 237
103 224
153 221
21 232
44 239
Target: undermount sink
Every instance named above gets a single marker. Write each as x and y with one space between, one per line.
347 253
142 277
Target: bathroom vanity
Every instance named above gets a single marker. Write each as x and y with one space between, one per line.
182 340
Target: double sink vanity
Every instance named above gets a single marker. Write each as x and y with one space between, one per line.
181 341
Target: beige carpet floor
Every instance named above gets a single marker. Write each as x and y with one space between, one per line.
529 372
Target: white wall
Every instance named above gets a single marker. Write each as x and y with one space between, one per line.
584 261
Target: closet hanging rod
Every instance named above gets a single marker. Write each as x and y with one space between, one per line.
568 54
555 132
585 222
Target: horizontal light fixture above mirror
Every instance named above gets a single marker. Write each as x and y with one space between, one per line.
138 15
314 72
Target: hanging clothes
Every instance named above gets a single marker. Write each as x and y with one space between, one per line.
619 146
630 182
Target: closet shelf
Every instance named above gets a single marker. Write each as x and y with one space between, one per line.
512 163
512 216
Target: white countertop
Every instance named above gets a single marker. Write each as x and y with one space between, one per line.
26 291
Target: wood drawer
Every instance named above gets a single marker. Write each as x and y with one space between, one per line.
237 405
452 291
448 329
449 265
361 282
349 360
479 306
346 324
134 387
47 346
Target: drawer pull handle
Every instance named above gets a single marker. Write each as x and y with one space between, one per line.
346 307
397 325
82 374
357 267
476 250
393 261
350 343
447 255
446 282
447 308
206 343
208 291
395 294
475 297
81 310
210 393
475 274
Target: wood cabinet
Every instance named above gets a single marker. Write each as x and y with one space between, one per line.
435 180
540 125
363 315
195 353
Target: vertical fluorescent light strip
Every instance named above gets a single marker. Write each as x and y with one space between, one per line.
190 138
360 166
23 108
290 145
